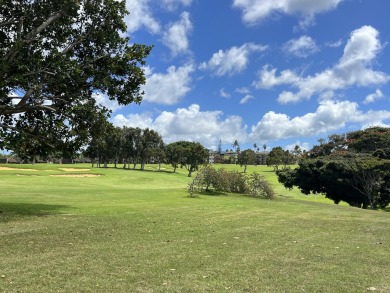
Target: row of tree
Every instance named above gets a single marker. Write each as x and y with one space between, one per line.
133 146
354 168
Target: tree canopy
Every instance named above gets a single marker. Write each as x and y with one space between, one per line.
354 168
56 57
186 154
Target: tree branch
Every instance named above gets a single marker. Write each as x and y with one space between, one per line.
14 50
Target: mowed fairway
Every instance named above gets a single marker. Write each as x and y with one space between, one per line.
134 231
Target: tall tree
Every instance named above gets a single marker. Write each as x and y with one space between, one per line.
149 146
56 56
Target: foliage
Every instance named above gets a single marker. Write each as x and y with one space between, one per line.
209 179
125 144
278 156
56 57
257 186
186 154
347 168
245 158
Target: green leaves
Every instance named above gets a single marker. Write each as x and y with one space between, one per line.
347 168
55 55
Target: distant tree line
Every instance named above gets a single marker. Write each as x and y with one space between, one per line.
354 168
132 146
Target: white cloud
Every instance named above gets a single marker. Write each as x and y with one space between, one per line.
140 16
302 47
268 78
303 146
335 44
255 11
329 116
142 121
173 4
353 69
242 90
176 36
224 94
106 102
231 61
246 99
167 88
189 124
374 97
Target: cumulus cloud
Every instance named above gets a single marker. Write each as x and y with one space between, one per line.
255 11
246 99
141 17
103 100
302 47
304 146
167 88
142 121
231 61
189 124
329 116
176 36
374 97
353 69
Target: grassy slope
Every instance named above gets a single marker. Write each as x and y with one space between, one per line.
132 231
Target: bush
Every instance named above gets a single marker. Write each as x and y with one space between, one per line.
259 187
210 180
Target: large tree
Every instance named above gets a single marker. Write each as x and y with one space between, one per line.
186 154
56 56
354 168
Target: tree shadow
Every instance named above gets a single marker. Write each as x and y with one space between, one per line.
14 211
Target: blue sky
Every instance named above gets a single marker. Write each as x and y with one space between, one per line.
274 72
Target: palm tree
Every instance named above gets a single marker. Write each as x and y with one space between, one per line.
236 146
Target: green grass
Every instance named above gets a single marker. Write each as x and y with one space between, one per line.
133 231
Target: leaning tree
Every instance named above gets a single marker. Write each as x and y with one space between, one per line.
56 57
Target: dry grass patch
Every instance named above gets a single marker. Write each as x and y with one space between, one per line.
76 175
15 169
74 169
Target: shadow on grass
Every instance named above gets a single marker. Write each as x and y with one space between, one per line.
211 193
139 170
14 211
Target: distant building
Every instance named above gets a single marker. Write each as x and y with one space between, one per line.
230 157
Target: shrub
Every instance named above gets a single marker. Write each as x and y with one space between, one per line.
259 187
210 180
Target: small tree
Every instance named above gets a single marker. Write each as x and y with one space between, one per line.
246 158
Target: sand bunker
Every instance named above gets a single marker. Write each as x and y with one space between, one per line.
74 169
15 169
76 175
